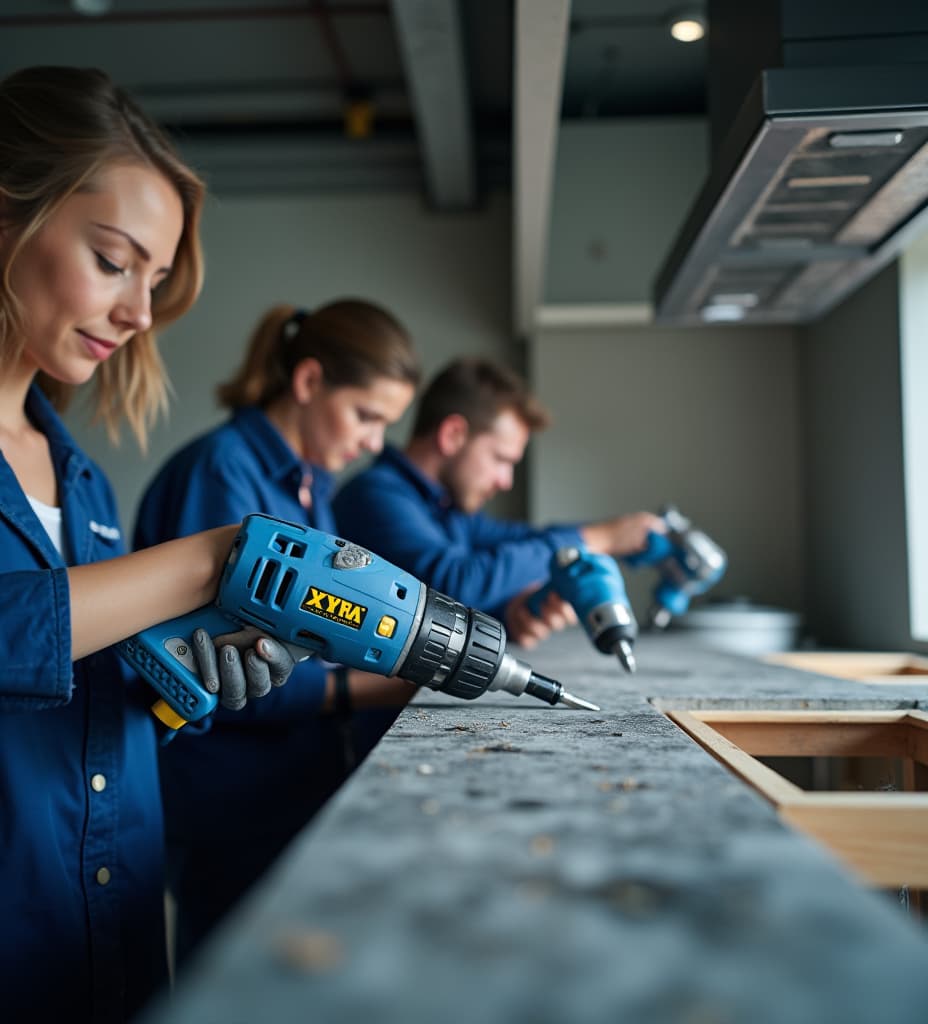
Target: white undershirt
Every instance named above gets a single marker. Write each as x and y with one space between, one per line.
50 518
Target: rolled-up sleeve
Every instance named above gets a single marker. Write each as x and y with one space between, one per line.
35 640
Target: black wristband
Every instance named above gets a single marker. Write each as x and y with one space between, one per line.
342 714
342 706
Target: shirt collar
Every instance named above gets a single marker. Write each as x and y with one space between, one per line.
323 481
69 462
276 456
428 487
68 459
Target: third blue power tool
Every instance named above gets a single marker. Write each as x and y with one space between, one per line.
688 564
592 584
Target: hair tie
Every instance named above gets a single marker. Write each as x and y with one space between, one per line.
291 327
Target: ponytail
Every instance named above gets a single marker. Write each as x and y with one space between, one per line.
354 341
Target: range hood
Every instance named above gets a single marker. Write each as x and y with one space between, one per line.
821 180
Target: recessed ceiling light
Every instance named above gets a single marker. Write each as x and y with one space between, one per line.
92 8
688 26
829 181
723 313
747 300
854 140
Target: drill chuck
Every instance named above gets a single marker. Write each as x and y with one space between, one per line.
457 649
611 624
462 652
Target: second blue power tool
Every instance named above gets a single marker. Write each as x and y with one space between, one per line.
592 584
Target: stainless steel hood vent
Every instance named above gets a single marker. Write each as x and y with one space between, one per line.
821 180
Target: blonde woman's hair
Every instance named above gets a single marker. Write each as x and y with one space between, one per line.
60 128
355 342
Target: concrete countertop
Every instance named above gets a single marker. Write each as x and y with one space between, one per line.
503 861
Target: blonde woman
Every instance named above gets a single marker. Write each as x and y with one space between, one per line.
98 248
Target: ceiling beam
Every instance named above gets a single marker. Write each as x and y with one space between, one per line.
277 163
541 30
431 44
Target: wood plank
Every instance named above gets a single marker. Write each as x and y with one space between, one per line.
915 777
884 838
917 736
843 715
771 784
817 733
817 739
860 666
842 733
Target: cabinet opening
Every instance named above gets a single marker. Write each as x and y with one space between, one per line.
857 781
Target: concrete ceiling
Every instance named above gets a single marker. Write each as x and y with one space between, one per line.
451 97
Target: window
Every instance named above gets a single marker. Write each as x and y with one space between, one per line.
913 340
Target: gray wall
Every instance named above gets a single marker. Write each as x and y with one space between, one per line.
445 276
705 418
622 190
855 524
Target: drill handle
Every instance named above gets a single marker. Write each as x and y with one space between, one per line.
163 656
565 563
658 547
537 598
584 580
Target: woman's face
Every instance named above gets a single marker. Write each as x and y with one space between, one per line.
339 424
85 279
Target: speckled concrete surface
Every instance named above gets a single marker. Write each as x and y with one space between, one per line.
504 861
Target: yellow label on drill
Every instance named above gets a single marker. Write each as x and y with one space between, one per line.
334 608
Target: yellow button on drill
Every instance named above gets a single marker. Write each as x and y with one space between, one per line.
386 627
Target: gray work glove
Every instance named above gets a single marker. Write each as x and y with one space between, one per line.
247 666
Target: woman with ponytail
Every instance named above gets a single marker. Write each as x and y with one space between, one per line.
314 391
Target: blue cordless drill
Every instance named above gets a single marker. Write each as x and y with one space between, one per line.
688 564
592 584
322 595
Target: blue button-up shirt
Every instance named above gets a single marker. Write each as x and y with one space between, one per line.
393 509
249 773
81 905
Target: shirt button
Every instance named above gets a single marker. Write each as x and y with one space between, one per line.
98 783
103 876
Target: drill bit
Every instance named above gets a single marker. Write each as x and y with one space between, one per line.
624 651
519 677
577 702
551 691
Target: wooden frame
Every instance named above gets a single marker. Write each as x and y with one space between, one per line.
897 668
883 836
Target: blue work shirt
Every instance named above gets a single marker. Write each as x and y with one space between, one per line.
250 770
81 905
393 509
